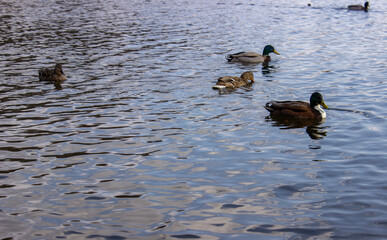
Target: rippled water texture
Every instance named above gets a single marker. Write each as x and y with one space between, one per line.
136 144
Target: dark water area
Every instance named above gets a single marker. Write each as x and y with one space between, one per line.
136 144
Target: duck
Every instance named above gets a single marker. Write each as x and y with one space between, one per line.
52 75
234 82
252 57
359 7
299 109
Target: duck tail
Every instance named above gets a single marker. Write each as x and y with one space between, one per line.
268 107
229 57
42 74
218 86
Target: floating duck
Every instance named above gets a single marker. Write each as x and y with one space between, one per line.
299 109
234 82
359 7
252 57
52 75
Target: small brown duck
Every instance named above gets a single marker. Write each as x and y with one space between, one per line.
299 109
359 7
234 82
52 75
252 57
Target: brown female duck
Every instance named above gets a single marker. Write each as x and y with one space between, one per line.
234 82
52 75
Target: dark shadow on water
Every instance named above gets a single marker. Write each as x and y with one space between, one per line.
186 236
57 84
106 237
305 232
313 128
354 111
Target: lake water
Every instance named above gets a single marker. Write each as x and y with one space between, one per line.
137 145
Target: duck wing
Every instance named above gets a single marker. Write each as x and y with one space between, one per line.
228 82
244 56
294 109
228 79
251 54
297 106
45 74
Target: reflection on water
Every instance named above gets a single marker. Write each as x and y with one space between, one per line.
136 145
314 127
316 132
268 68
57 85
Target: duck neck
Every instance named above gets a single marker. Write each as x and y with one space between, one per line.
266 58
321 111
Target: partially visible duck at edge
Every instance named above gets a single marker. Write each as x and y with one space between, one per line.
252 57
299 109
359 7
234 82
54 75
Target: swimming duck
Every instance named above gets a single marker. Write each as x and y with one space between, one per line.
52 75
359 7
234 82
252 57
299 109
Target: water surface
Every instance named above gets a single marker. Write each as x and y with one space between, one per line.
136 144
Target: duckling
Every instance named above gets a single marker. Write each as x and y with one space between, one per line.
252 57
52 75
359 7
299 109
234 82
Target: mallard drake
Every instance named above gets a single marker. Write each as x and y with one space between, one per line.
299 109
252 57
359 7
52 75
234 82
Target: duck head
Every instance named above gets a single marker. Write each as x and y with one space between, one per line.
317 99
58 69
248 76
269 49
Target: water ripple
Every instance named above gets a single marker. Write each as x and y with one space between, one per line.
136 144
